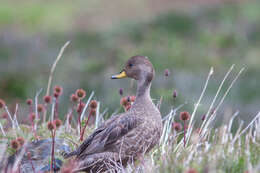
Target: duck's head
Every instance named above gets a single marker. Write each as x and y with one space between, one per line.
137 67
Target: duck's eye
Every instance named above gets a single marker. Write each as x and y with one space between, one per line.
130 65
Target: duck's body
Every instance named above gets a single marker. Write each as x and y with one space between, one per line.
124 137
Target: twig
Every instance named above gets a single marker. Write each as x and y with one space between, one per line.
245 129
54 66
52 72
68 126
214 100
97 115
101 119
2 129
168 126
197 104
15 116
231 121
86 106
9 114
221 101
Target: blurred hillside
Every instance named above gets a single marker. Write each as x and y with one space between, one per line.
186 38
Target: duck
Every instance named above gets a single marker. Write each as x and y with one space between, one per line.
126 137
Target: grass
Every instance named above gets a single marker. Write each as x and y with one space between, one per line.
207 149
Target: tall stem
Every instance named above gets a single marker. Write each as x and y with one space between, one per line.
45 113
79 113
56 109
83 129
52 149
184 133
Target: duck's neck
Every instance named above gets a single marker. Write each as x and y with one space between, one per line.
143 90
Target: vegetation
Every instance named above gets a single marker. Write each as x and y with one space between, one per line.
183 147
184 43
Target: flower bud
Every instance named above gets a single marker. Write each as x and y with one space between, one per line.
81 93
51 126
47 99
184 116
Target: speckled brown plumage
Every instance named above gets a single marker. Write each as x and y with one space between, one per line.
124 137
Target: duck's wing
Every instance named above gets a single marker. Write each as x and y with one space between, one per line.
118 129
110 134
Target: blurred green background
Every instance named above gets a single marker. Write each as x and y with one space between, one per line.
185 37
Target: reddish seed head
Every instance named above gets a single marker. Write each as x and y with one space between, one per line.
47 99
40 108
20 140
29 102
32 116
121 92
93 104
166 72
191 170
74 98
51 126
177 126
93 112
57 123
184 116
2 103
81 93
58 89
123 101
14 144
175 94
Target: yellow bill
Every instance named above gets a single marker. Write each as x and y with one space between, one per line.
121 75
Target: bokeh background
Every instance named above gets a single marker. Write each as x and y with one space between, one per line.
185 37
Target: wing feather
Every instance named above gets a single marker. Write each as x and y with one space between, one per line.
118 130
